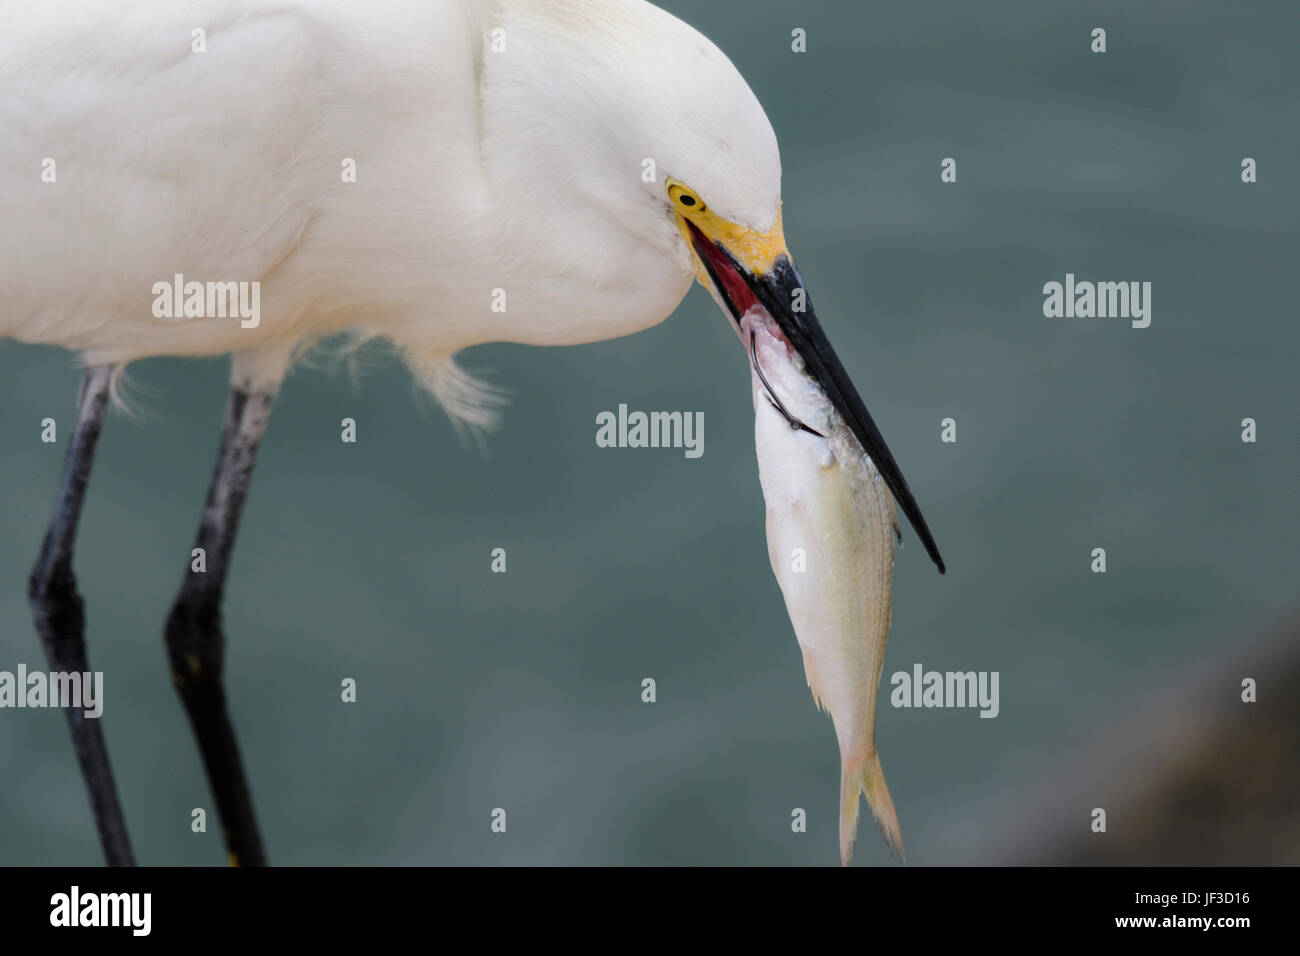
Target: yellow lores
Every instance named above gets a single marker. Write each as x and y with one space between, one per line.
830 537
756 251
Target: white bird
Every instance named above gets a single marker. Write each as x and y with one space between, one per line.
434 173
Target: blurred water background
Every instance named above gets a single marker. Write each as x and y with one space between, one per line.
522 690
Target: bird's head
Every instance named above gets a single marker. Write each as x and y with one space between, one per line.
721 190
745 268
660 151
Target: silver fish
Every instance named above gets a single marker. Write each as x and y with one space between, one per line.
831 527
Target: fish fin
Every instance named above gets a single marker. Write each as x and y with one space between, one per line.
814 684
860 772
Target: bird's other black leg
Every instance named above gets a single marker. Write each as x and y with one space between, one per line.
194 637
60 614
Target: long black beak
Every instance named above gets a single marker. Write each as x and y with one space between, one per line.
779 290
782 293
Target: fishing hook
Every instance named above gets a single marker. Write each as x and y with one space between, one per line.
771 395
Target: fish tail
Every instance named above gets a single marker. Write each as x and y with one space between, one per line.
860 772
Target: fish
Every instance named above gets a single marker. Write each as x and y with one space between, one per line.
831 528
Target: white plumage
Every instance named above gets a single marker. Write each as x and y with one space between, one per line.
499 145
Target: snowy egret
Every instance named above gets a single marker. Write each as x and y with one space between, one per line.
245 177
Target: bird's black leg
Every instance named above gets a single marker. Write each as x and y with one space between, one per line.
195 642
60 614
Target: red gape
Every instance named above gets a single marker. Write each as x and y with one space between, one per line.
734 285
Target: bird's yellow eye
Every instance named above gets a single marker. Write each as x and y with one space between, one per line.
685 199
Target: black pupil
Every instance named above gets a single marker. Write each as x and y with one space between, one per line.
688 201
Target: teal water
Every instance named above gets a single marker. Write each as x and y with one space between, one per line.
522 690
